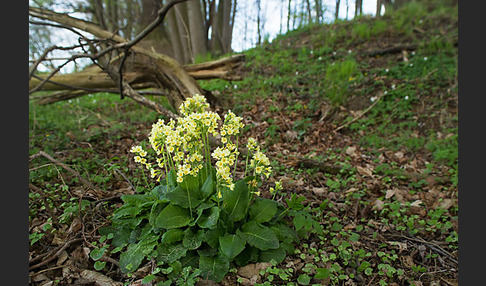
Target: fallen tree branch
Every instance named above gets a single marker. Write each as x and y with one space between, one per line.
380 95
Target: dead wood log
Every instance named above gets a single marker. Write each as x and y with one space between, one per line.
161 69
95 78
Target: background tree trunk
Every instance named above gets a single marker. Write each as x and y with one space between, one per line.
197 29
358 9
336 13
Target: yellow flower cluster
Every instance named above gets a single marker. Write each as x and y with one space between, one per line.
183 145
225 158
252 145
231 126
278 187
195 104
140 157
261 164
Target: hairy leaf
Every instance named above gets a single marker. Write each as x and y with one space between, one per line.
231 245
173 217
258 236
213 267
262 210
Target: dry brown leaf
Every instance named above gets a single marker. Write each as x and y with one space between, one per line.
407 261
389 194
98 278
378 205
416 203
364 171
399 155
446 203
401 246
62 257
351 151
251 270
319 191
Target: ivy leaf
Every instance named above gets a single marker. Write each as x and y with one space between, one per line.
97 253
99 265
322 273
258 236
213 267
231 245
263 210
173 216
236 202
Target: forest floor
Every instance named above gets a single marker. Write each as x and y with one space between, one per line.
359 117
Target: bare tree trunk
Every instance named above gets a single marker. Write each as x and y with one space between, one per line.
197 30
259 31
174 36
184 36
336 13
318 11
347 9
358 7
379 3
97 7
309 11
288 15
221 34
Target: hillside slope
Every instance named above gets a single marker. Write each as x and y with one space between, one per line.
359 118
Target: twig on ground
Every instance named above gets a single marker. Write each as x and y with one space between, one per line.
380 95
55 253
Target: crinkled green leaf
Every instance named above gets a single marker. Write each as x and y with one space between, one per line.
262 210
172 235
213 267
209 219
236 202
169 253
173 216
231 245
208 187
159 192
275 254
155 211
258 236
192 240
186 198
133 256
212 236
249 254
